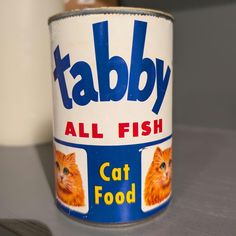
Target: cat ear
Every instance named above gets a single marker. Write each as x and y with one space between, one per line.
71 157
55 151
157 154
168 151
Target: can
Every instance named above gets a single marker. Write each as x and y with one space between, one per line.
112 95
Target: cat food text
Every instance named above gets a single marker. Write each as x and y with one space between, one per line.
114 174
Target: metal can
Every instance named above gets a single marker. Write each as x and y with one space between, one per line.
112 94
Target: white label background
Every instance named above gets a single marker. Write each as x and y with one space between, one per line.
74 35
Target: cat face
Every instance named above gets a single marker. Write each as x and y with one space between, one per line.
158 179
66 170
162 163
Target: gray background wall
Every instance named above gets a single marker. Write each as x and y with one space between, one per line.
205 60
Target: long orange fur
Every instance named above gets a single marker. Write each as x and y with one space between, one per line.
158 179
69 186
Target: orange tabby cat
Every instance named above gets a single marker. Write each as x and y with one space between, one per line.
68 179
158 179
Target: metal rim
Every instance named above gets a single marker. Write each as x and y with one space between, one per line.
111 10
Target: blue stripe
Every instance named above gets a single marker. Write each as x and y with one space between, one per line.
78 215
140 145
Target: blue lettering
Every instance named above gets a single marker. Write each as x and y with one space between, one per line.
140 65
162 83
106 65
61 66
83 92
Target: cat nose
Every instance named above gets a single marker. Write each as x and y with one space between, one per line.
62 177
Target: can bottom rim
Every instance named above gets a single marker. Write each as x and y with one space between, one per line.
118 225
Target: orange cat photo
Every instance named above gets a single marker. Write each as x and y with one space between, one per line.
158 178
69 187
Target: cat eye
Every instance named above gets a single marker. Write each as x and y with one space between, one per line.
163 165
65 171
170 162
57 165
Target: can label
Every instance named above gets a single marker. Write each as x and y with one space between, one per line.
112 92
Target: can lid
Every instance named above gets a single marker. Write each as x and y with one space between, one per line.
111 10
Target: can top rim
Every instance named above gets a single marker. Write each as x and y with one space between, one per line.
111 10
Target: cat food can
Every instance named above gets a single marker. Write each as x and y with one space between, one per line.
112 94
